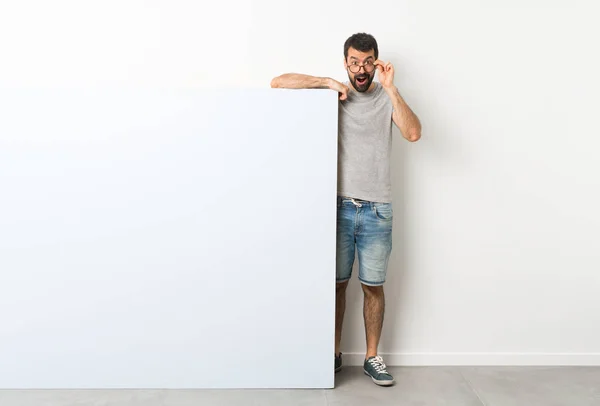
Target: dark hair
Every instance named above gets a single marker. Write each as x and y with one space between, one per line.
361 42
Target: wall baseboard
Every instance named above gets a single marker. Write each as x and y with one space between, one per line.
479 359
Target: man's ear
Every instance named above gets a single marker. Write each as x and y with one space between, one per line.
345 64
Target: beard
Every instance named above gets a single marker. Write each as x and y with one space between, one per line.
364 86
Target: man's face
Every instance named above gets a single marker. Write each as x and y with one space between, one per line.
361 68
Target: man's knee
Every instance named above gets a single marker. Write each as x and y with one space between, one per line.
372 290
340 287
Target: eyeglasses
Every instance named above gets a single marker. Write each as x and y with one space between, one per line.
355 67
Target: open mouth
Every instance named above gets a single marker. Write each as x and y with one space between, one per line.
361 80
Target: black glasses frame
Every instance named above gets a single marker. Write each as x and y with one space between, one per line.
356 68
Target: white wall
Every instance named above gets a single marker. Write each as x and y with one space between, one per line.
496 242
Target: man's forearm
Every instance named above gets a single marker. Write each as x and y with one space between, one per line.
300 81
403 116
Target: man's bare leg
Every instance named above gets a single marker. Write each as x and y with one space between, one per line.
340 308
374 306
373 310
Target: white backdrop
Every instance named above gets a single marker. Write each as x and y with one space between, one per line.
496 242
156 239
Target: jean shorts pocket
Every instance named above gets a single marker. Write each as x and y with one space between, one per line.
384 211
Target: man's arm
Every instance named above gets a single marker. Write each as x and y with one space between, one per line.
301 81
404 118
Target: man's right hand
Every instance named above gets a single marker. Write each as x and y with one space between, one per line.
341 88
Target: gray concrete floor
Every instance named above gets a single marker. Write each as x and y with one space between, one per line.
424 386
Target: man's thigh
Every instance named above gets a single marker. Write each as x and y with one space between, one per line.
346 243
374 243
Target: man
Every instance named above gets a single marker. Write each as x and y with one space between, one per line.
367 110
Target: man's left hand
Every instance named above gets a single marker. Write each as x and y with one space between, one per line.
386 73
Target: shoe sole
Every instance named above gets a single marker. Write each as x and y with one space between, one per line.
380 383
338 369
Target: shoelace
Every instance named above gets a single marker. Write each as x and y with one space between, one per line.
378 364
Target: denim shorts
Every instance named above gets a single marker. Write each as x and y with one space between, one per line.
365 228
